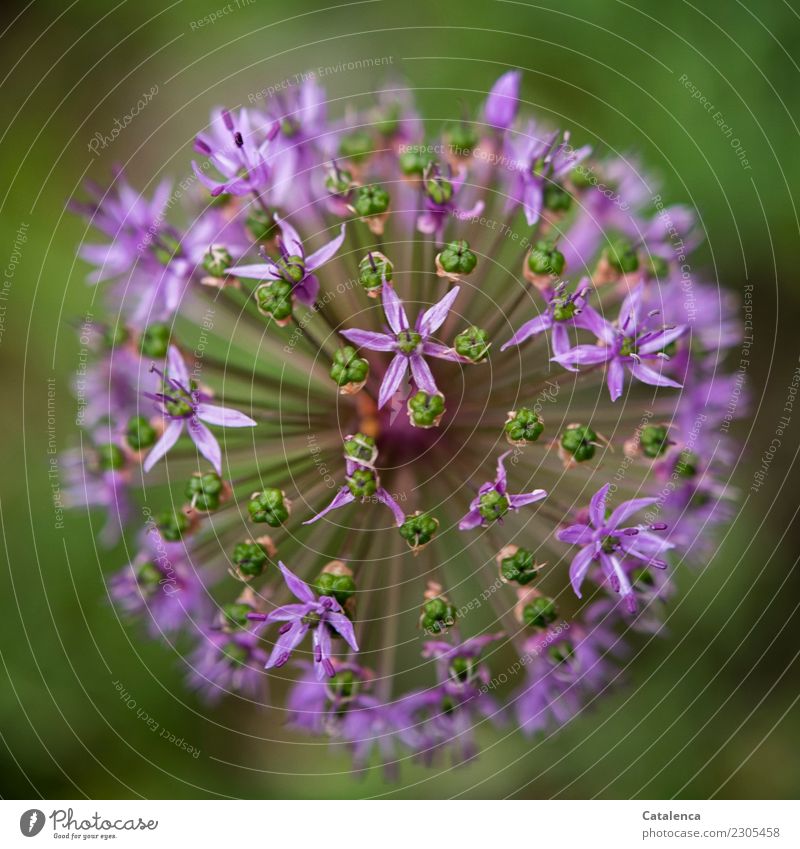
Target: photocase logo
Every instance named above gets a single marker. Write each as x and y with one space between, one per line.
31 822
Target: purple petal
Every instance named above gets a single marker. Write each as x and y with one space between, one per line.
298 587
223 416
442 352
559 338
307 289
615 378
325 253
597 507
500 107
392 379
470 521
258 271
644 373
322 652
287 612
630 310
590 319
206 443
532 201
369 340
167 440
285 644
290 237
176 367
433 318
342 497
393 308
501 481
576 535
517 501
422 375
626 510
616 574
584 355
660 341
344 626
383 496
579 567
530 328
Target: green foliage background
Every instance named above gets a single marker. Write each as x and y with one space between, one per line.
711 711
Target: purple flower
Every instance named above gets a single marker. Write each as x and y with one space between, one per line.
237 151
410 347
161 583
500 107
227 663
563 311
362 483
458 667
293 266
605 543
183 404
627 344
441 203
323 614
539 162
493 501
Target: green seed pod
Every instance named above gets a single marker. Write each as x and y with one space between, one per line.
493 506
172 526
110 457
561 652
348 369
457 258
517 565
261 225
523 426
371 200
363 483
438 614
418 530
545 258
234 615
250 558
461 139
425 410
414 163
140 434
373 270
154 341
556 198
275 299
687 464
473 343
540 612
217 260
621 256
439 190
340 587
361 448
654 440
204 491
269 506
579 441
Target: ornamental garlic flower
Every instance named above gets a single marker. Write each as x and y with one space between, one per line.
218 314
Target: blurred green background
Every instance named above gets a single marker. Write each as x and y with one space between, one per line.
711 713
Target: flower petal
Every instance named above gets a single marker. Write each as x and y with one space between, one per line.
647 375
176 367
660 341
258 271
307 289
206 443
370 340
290 237
597 507
383 497
285 644
393 308
584 355
579 567
342 497
501 480
422 374
470 521
530 328
433 317
326 252
626 510
170 436
298 587
576 534
500 107
517 501
615 379
223 417
392 379
344 626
